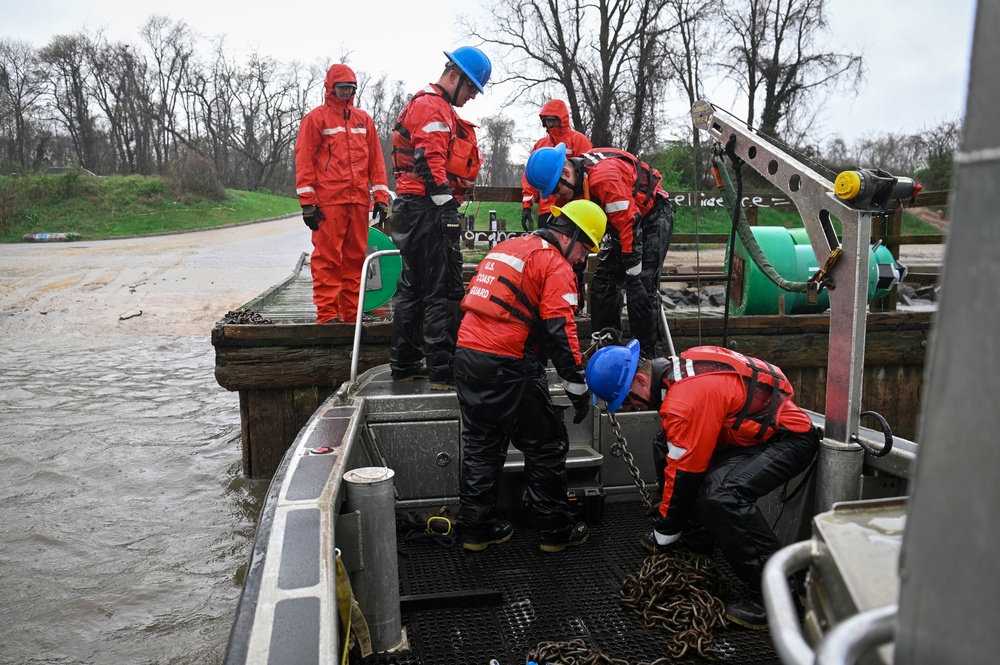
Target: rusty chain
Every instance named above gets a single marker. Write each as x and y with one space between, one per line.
675 591
622 445
244 316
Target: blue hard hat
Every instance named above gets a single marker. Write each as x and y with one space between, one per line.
474 63
544 168
610 373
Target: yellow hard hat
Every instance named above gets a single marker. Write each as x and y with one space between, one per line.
588 216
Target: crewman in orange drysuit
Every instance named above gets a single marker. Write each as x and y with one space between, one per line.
555 118
730 435
435 159
640 227
519 315
338 161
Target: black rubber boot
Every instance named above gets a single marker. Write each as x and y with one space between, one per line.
749 612
578 536
477 540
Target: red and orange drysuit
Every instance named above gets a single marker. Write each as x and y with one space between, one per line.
519 314
435 159
338 161
731 434
576 142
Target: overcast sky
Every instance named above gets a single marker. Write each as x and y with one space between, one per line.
916 51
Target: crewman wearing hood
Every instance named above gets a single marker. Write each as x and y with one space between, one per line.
338 166
555 118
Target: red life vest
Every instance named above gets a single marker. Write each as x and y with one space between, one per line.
497 290
767 387
647 180
464 160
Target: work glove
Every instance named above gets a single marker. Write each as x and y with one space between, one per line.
450 227
581 406
526 222
312 216
638 300
380 211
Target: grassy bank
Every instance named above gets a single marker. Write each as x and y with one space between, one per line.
120 206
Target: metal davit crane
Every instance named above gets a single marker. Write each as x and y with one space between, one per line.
912 582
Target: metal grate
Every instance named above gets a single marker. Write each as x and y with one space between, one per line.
546 597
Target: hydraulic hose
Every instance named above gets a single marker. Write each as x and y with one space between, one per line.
747 238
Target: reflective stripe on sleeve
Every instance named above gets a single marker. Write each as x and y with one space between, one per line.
435 127
305 190
674 451
616 206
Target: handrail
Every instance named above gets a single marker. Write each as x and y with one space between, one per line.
782 617
854 637
361 310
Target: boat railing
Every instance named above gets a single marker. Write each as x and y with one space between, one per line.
356 349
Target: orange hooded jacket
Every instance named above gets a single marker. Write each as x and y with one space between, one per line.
576 144
338 157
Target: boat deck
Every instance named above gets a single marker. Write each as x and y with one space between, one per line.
511 597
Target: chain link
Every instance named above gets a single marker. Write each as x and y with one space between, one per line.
622 444
244 316
675 592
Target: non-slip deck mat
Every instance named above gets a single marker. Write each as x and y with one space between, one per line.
546 598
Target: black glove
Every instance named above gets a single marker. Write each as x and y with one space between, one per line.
638 300
448 219
581 406
526 222
312 216
380 211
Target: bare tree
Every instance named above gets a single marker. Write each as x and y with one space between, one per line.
773 55
265 118
601 56
65 58
386 101
495 139
171 45
21 90
119 90
685 51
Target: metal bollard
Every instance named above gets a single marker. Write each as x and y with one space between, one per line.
376 585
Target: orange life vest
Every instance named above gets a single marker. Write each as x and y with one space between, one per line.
464 161
767 386
647 180
497 290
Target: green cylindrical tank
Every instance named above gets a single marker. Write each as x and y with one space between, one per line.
792 256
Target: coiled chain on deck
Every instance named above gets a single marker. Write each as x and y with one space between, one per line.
675 591
244 316
629 459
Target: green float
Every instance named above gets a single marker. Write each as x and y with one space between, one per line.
792 256
383 272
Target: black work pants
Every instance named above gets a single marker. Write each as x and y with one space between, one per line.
726 507
429 293
506 401
608 285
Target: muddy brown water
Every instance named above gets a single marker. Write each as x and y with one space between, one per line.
126 520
